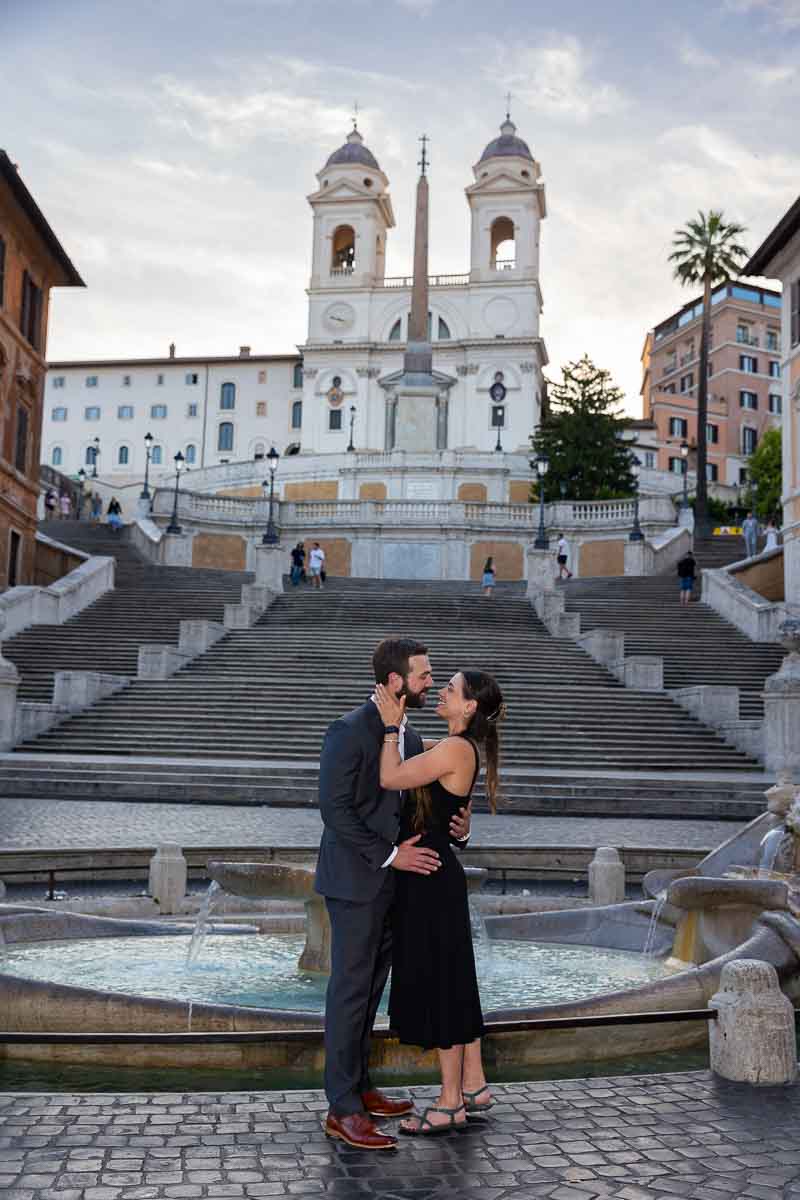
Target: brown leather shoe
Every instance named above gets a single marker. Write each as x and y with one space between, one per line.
378 1105
356 1129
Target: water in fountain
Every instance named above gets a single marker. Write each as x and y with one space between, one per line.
481 942
770 845
201 925
652 929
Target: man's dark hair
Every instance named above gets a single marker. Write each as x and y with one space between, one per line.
392 655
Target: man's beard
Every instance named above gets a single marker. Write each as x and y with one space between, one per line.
413 699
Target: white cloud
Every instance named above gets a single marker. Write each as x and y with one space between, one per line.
784 13
769 77
556 78
692 55
418 6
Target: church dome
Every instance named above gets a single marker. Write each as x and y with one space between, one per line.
507 145
353 151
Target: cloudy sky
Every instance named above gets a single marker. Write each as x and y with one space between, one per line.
171 144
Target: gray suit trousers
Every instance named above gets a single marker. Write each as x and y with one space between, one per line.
361 953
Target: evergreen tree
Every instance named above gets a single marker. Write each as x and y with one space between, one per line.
580 434
765 469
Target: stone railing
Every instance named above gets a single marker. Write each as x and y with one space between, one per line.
658 554
407 281
736 602
21 607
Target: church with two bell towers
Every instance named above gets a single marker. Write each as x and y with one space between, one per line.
478 386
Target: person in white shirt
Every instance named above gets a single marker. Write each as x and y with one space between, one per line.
771 536
562 556
316 565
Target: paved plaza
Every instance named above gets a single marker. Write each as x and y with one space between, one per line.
86 824
634 1138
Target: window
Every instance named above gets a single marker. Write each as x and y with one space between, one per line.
794 312
158 411
261 408
92 413
712 434
258 451
775 403
91 381
498 416
669 388
678 427
712 472
743 475
192 409
687 382
123 456
677 466
748 363
502 245
748 400
395 333
297 414
775 369
749 440
21 446
58 414
156 456
444 330
126 381
227 396
30 321
343 251
59 381
297 375
650 460
772 340
159 380
14 543
334 418
191 455
125 412
57 457
262 376
2 270
225 436
90 458
191 378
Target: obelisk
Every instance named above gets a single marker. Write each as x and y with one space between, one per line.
418 357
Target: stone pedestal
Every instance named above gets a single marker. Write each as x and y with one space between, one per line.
167 881
605 646
158 660
644 672
196 636
9 682
782 710
316 956
176 549
541 571
753 1037
270 565
606 877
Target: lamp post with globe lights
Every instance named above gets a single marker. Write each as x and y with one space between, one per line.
541 465
173 526
352 423
270 537
636 534
148 447
81 491
95 456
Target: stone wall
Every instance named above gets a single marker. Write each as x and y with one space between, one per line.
519 491
338 554
372 491
472 491
224 551
52 562
252 491
602 557
764 576
509 560
312 489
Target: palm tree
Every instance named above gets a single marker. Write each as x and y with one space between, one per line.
706 251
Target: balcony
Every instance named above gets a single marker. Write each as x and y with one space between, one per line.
407 281
339 271
668 368
505 264
746 339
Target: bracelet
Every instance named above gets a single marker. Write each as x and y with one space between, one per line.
391 740
391 729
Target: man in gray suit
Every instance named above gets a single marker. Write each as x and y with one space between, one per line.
358 856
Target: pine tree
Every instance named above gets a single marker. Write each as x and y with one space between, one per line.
765 471
580 434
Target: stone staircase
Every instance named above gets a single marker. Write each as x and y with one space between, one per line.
245 720
697 645
146 605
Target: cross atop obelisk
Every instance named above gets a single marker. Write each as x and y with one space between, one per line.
418 358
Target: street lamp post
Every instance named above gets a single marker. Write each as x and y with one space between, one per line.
352 423
96 456
81 487
540 465
498 446
636 534
270 537
173 526
685 460
148 446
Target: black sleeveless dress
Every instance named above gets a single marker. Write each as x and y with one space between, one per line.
434 1000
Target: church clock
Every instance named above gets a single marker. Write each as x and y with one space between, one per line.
339 316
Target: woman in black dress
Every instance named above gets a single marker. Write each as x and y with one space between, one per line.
434 1000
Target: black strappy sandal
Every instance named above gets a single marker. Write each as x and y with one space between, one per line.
426 1128
472 1108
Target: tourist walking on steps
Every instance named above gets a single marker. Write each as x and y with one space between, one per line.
687 570
434 1001
489 573
64 506
316 564
750 531
115 514
771 534
562 558
360 858
50 504
298 556
97 506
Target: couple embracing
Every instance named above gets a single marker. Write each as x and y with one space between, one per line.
394 807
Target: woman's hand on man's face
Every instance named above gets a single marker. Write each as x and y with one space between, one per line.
391 708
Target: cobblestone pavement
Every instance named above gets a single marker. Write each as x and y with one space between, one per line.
83 824
634 1138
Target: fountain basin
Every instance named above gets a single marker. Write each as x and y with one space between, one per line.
709 892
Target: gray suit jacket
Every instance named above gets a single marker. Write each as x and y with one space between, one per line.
361 819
